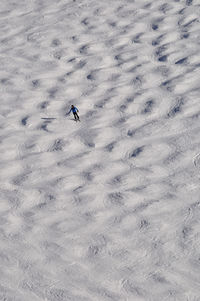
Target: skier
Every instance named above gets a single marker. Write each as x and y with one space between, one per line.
74 110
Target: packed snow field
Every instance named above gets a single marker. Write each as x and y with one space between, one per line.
107 208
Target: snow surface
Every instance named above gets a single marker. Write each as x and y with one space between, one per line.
107 208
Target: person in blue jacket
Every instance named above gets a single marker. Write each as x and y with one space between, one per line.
74 110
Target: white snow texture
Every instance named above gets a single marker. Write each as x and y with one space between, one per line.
107 208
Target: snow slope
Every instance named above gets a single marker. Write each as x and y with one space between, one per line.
107 208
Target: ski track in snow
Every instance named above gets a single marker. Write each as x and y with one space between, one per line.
108 208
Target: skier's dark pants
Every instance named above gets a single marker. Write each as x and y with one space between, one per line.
76 117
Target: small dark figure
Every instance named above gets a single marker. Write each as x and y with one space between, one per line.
74 110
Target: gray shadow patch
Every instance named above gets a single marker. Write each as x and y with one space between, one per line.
102 103
139 189
87 175
61 79
159 53
41 206
55 43
24 120
58 55
134 69
5 81
168 84
56 294
190 23
114 77
93 251
129 99
137 152
35 83
122 108
99 243
112 24
45 124
181 12
90 144
148 107
164 8
85 22
81 64
116 180
143 206
43 105
52 92
146 6
44 127
91 114
160 50
57 146
73 59
77 200
20 179
110 146
154 26
75 38
197 161
163 70
116 198
185 35
87 137
186 232
120 121
136 39
129 287
90 76
158 278
143 224
176 109
157 41
172 158
163 58
84 49
137 81
181 61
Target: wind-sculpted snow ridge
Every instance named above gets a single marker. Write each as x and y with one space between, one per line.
107 208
